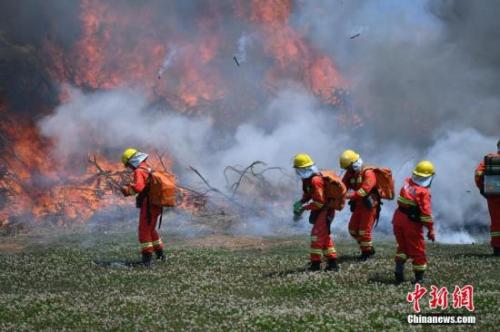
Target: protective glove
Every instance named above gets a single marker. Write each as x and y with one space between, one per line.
352 205
431 235
124 190
297 208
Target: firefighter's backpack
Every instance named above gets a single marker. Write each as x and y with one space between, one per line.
492 175
162 188
385 181
335 190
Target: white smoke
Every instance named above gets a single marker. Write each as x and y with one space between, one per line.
293 122
120 118
421 90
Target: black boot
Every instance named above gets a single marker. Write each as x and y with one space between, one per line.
146 259
367 254
314 266
160 255
419 277
332 265
399 272
496 251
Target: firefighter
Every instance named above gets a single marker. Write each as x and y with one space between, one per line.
493 202
363 200
414 212
149 238
313 199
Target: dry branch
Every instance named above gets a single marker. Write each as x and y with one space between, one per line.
258 175
194 198
108 175
213 189
242 174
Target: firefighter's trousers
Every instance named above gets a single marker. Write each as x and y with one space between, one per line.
361 225
410 238
321 240
494 208
148 235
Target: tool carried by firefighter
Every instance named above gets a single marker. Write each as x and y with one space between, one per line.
384 188
491 175
385 182
487 179
335 190
160 190
323 192
414 212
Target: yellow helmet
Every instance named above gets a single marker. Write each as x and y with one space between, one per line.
302 160
347 158
424 168
127 154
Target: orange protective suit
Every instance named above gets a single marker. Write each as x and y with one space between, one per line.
493 205
149 238
321 240
408 227
363 216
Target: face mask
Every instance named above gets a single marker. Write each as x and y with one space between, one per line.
138 158
422 181
305 173
357 165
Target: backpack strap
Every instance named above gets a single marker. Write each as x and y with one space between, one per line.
367 167
147 169
327 202
145 192
374 192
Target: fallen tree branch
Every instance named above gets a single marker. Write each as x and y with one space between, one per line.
236 185
104 173
195 198
210 188
250 170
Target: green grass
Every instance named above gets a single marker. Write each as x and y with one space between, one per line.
56 285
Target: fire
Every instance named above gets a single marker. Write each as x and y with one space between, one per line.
294 58
36 186
127 44
104 57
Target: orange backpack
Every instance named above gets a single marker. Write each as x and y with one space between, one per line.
162 188
385 182
335 190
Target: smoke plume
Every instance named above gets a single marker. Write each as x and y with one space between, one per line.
419 79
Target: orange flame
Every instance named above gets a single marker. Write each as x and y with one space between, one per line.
121 44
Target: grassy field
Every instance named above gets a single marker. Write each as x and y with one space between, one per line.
79 282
